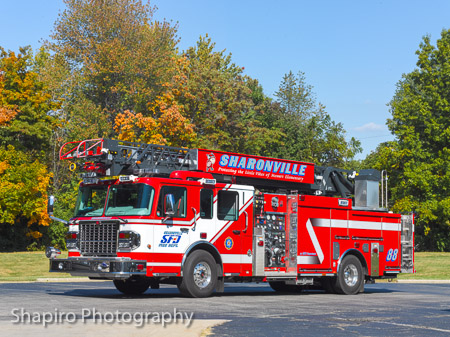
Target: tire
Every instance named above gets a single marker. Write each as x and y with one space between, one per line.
199 275
133 285
350 276
282 287
329 285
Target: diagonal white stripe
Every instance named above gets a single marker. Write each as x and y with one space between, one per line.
314 240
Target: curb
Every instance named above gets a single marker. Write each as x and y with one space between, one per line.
65 279
425 281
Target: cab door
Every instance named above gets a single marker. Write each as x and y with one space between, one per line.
234 230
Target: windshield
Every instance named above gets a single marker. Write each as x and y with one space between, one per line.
127 199
130 199
91 200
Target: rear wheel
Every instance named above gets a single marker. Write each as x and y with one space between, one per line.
133 285
199 275
281 286
350 276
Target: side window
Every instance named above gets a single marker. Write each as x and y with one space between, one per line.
179 194
206 204
228 205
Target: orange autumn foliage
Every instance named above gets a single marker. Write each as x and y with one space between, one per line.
167 124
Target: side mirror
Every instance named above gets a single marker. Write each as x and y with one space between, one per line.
169 205
51 202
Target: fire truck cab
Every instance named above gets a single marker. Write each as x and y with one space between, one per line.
148 215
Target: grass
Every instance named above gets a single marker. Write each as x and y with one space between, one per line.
26 266
29 266
430 266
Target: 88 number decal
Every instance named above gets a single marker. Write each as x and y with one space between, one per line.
392 255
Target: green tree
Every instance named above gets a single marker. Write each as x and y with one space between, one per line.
26 103
116 56
23 202
420 158
310 133
218 96
26 127
296 96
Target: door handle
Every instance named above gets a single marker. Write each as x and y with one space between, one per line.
195 219
236 232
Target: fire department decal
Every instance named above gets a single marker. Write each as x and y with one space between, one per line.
210 162
229 243
170 239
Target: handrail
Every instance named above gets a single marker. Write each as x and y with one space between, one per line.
195 219
246 222
82 149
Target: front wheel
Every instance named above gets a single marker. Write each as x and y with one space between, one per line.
350 276
133 285
329 285
199 275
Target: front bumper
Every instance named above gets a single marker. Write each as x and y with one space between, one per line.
110 268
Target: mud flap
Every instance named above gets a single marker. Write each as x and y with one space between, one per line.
220 286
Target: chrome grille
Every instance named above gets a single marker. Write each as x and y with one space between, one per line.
98 238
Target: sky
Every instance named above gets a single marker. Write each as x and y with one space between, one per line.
353 53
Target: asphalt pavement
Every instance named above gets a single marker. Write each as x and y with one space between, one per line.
98 309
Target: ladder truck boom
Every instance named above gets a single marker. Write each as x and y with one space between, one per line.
113 157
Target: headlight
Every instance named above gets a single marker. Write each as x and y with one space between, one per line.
72 240
129 240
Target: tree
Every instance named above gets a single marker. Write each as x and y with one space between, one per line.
419 160
217 97
23 205
116 56
166 124
296 96
26 128
311 134
25 103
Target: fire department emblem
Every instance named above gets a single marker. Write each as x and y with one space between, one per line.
229 243
210 162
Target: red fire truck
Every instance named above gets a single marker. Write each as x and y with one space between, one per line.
148 215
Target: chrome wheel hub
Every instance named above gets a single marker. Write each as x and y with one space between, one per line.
202 275
351 275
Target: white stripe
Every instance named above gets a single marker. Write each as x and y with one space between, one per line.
307 259
236 258
364 225
321 222
164 264
171 222
391 226
314 240
339 223
354 224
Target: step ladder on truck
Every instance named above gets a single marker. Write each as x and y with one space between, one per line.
149 214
